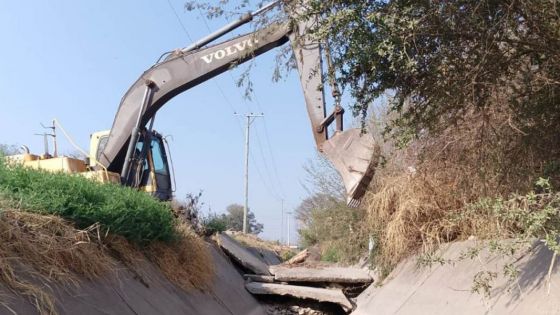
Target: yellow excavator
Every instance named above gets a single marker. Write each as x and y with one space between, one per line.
134 154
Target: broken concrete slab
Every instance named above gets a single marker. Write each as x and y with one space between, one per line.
318 294
259 278
242 255
320 274
268 256
299 258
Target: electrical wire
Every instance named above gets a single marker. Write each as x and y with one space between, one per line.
69 138
273 191
179 20
268 143
215 83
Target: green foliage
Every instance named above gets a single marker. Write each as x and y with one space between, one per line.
119 210
506 226
521 217
437 59
430 259
331 254
324 218
234 219
482 282
336 228
214 223
231 220
6 149
287 255
440 59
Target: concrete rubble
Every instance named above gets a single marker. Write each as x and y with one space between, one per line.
318 294
321 274
298 258
242 255
281 309
259 278
286 280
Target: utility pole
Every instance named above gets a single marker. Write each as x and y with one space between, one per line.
46 140
289 215
282 224
250 118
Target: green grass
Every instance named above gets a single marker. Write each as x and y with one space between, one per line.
119 210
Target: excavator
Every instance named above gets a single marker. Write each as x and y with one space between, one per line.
134 154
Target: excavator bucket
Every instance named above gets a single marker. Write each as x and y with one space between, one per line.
353 153
355 156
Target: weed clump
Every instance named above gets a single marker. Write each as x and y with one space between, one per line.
118 210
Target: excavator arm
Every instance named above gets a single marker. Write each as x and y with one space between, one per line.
353 154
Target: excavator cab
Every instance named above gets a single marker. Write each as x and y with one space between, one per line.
149 169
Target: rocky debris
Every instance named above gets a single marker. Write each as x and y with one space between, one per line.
317 294
299 258
283 309
259 278
321 274
243 256
267 278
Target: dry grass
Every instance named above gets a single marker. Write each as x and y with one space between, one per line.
416 199
43 249
38 251
186 262
251 240
405 215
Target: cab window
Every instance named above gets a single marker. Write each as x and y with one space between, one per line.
160 165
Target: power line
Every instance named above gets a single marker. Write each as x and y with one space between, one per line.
228 102
179 20
273 191
267 138
270 191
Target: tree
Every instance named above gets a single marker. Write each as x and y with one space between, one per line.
325 187
214 223
6 149
445 59
440 59
324 217
234 219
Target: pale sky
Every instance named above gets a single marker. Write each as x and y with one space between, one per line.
74 60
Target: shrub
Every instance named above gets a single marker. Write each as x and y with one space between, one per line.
339 230
330 254
119 210
215 223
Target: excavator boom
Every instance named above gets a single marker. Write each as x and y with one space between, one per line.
352 153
